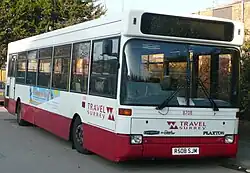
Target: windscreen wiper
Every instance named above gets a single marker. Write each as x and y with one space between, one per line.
165 102
215 107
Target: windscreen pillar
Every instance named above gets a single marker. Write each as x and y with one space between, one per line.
214 75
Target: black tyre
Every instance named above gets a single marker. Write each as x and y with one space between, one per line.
78 136
19 119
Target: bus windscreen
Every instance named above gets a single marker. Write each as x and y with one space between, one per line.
175 26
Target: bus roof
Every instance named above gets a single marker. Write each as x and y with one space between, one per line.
120 23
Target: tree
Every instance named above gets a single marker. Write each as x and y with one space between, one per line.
25 18
245 78
246 46
72 12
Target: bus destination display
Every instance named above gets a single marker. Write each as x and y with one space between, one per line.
166 25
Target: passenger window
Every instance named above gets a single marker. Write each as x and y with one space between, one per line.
21 68
11 66
44 67
32 68
105 61
80 67
61 67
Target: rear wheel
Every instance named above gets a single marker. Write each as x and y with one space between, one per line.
78 136
19 119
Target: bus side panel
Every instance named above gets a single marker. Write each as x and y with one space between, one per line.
39 111
112 146
54 123
28 113
60 125
10 105
99 141
99 115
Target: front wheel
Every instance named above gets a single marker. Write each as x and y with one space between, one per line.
19 119
78 136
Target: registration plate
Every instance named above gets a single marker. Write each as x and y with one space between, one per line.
185 151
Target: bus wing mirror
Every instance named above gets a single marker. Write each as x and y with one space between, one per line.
107 47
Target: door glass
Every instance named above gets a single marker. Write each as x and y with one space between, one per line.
11 67
204 66
224 76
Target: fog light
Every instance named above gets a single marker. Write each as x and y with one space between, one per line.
229 139
136 139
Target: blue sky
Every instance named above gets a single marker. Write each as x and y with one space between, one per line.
170 6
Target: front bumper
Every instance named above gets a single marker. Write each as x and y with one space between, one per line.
159 147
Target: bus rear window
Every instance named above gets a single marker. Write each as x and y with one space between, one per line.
166 25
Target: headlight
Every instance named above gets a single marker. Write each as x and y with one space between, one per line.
136 139
229 139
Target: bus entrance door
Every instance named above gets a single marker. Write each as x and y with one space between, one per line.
11 87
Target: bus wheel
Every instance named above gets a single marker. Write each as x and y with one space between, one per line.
19 119
78 136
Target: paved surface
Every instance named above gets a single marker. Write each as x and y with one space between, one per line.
244 149
32 150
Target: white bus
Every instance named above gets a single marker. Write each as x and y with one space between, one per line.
138 85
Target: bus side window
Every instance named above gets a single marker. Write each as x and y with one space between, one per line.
44 67
32 68
105 60
80 67
21 68
61 67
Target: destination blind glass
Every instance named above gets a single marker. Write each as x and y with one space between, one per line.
166 25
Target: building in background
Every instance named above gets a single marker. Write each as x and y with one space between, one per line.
231 11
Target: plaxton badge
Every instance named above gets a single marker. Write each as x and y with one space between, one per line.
213 133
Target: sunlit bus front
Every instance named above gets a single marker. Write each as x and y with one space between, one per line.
181 82
184 97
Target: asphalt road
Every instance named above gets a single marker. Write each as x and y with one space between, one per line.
33 150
